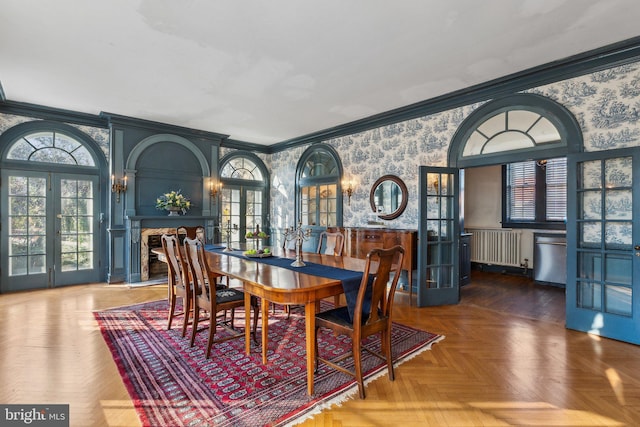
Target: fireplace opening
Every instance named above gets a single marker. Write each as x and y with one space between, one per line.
150 266
157 269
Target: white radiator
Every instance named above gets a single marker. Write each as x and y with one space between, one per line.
495 246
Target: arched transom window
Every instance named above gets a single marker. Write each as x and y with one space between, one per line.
320 164
511 130
241 168
50 147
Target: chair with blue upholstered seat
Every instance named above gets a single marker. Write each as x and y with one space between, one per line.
211 299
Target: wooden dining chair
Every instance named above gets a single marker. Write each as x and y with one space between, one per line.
213 300
178 283
198 231
372 313
330 243
191 232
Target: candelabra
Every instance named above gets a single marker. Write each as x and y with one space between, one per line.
299 235
229 230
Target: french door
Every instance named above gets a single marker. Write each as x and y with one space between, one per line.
438 237
243 206
603 285
51 232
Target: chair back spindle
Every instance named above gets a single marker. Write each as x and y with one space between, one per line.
198 266
193 232
333 243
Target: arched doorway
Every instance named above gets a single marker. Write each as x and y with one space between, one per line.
52 202
244 196
511 129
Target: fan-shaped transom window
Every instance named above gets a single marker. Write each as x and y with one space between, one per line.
241 168
511 130
50 147
318 164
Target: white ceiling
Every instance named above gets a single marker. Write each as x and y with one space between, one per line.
265 71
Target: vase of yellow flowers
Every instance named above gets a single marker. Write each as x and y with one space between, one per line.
174 202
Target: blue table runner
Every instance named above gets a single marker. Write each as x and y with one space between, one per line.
350 279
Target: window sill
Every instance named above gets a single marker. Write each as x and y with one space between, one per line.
537 225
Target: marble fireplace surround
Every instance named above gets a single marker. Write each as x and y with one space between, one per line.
144 248
141 227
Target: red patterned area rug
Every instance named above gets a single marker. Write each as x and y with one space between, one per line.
172 384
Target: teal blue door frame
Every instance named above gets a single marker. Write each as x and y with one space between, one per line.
603 244
438 236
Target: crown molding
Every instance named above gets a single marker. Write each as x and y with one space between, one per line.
159 127
573 66
248 146
50 113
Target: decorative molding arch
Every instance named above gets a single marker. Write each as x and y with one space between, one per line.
132 160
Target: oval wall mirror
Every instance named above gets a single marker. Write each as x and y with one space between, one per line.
388 197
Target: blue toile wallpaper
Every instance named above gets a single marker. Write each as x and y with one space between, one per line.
605 103
8 121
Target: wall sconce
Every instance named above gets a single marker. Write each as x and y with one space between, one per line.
118 186
214 188
348 190
541 163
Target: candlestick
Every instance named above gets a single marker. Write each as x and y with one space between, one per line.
299 235
229 230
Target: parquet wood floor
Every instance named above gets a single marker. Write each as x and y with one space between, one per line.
506 360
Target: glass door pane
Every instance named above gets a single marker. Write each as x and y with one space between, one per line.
606 207
243 209
254 210
51 232
438 267
76 231
231 207
27 222
604 299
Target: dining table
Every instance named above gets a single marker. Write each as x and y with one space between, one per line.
274 280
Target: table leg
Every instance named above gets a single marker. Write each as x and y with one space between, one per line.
247 323
310 325
265 328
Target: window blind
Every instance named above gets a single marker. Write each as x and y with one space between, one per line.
521 191
556 180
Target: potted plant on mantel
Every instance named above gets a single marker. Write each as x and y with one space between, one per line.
174 202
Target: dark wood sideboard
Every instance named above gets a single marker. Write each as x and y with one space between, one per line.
358 241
